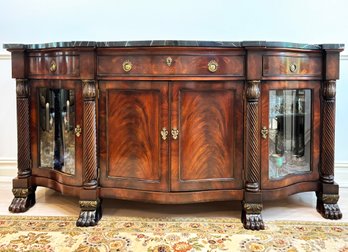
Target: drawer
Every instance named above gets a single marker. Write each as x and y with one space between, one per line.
209 65
291 65
67 65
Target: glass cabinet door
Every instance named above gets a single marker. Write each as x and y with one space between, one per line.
56 129
289 129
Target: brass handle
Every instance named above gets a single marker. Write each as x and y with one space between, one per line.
164 133
53 66
293 68
213 66
127 66
264 132
175 133
78 130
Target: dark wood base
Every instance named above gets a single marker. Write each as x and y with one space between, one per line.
23 200
91 213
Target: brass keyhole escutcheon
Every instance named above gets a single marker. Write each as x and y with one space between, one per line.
175 133
213 66
293 68
169 61
127 66
78 130
264 132
53 66
164 133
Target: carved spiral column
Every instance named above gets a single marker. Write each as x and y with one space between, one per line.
328 132
253 144
89 135
23 113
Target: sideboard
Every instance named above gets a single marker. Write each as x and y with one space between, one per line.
176 122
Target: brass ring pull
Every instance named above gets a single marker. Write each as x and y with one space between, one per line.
175 133
164 133
293 68
53 66
127 66
213 66
264 132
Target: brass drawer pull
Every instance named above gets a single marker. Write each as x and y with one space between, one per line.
175 133
127 66
264 132
164 133
293 68
213 66
53 66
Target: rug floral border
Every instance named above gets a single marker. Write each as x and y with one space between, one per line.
52 233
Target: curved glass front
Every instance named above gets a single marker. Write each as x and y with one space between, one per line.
289 132
56 129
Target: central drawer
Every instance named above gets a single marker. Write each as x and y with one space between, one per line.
170 64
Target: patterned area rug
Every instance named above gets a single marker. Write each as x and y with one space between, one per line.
22 233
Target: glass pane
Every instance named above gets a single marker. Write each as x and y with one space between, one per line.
289 132
56 131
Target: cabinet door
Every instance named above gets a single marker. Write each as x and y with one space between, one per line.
133 153
207 152
290 132
56 111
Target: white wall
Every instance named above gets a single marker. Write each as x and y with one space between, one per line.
35 21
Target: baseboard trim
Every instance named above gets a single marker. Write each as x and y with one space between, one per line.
8 170
5 56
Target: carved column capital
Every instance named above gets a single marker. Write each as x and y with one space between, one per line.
22 88
329 90
88 90
253 91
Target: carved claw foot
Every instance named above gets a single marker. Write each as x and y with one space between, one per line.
90 213
23 200
327 206
251 216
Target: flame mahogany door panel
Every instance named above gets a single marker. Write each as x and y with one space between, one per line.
208 152
133 154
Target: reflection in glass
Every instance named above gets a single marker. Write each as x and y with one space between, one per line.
56 131
289 132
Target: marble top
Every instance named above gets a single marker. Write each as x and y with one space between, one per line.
174 43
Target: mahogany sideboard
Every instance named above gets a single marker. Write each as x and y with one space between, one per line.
176 122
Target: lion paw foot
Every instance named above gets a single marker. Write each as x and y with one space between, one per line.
22 204
89 218
329 211
253 222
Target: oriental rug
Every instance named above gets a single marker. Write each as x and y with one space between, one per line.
28 233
